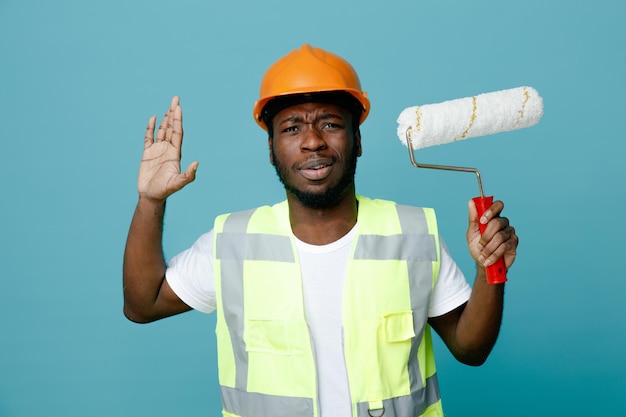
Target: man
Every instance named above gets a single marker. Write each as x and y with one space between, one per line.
325 301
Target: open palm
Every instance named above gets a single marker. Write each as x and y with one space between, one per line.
159 172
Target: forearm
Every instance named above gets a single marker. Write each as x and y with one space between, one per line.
479 324
144 264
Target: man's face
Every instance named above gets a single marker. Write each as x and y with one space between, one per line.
314 151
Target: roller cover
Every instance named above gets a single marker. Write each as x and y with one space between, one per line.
481 115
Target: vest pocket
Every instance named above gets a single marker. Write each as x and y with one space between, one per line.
398 326
387 370
279 337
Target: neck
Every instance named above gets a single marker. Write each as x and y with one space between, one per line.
323 226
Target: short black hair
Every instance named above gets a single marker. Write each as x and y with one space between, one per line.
340 98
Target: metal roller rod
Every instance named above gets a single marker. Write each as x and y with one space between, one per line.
441 167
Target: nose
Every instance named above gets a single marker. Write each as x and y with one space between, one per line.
313 139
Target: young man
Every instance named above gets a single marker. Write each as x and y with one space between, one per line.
325 301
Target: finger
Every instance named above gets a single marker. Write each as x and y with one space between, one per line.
185 178
506 248
174 102
160 136
177 126
190 172
511 253
473 228
495 226
490 241
162 132
148 139
493 211
170 118
473 212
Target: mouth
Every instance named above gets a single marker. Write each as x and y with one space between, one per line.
316 169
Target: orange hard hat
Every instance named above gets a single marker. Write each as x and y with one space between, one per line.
309 70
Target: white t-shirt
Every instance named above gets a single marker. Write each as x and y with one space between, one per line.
190 275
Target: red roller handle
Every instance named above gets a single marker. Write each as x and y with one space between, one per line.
496 272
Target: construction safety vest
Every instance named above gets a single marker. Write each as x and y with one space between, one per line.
265 360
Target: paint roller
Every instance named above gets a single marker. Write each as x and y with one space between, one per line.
459 119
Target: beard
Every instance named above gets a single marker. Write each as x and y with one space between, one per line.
327 198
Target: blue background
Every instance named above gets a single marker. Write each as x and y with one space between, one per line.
79 80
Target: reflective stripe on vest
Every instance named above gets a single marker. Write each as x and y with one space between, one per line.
245 243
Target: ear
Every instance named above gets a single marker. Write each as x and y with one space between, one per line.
357 142
269 146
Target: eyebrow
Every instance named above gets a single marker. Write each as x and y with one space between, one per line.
321 117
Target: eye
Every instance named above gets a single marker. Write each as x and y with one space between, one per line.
332 126
290 129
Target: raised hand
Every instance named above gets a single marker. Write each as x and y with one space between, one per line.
159 172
